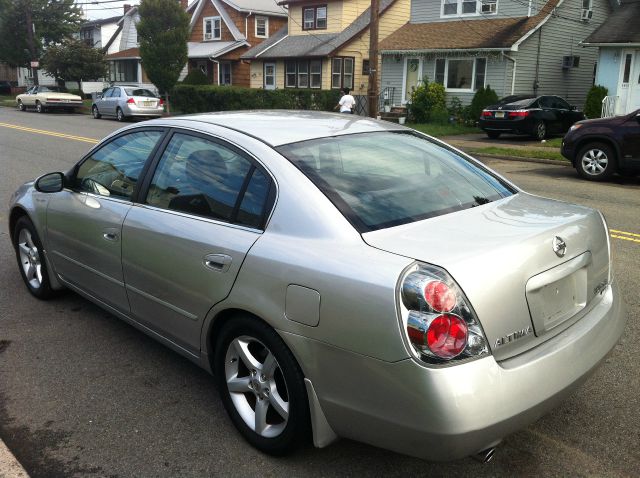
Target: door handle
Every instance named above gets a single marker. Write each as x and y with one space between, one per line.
110 235
218 262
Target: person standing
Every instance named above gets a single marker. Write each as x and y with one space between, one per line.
346 102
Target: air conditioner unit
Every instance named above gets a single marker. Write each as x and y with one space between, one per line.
570 62
208 36
586 15
489 8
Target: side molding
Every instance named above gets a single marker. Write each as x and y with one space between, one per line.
323 434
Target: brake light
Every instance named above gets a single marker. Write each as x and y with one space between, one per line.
131 101
437 318
486 114
161 102
519 114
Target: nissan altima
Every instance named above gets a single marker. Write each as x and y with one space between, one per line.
339 277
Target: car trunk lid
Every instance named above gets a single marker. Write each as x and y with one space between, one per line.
503 256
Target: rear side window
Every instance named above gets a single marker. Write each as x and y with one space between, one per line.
383 179
209 179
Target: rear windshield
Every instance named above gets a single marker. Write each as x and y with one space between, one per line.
139 92
523 103
384 179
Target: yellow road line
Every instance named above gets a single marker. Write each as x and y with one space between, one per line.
624 232
49 133
626 238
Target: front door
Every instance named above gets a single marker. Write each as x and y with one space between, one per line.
625 80
634 84
183 247
269 76
84 222
412 77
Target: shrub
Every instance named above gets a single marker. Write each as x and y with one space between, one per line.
483 98
203 98
439 115
456 109
593 104
425 99
195 77
76 92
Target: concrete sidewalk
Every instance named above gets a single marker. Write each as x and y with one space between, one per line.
9 466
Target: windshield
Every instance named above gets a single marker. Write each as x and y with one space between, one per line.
384 179
139 92
44 89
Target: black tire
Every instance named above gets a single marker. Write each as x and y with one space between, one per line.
286 382
539 130
21 106
37 283
39 107
120 115
493 134
96 114
596 161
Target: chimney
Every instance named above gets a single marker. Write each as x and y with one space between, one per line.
126 7
184 4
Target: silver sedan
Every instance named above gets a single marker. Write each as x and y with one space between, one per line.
340 277
124 102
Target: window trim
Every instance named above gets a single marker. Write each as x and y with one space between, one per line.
342 69
474 87
477 13
315 16
266 26
213 30
149 172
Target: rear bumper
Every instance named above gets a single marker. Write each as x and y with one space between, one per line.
451 412
133 110
516 126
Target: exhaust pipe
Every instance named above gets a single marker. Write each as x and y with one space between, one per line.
485 456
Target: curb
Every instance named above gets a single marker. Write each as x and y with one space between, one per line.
9 466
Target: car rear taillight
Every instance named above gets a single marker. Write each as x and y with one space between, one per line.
487 114
131 101
438 321
519 114
161 102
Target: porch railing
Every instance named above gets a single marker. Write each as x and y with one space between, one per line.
386 97
609 104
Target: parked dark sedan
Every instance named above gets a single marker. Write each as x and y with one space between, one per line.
535 116
599 147
5 88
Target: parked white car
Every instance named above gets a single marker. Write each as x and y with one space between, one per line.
43 98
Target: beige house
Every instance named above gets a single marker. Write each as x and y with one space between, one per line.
325 45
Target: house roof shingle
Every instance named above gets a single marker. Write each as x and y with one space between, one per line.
131 53
495 33
311 44
619 28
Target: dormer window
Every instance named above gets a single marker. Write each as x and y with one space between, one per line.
314 18
212 28
466 8
262 27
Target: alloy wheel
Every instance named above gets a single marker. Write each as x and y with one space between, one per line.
21 106
541 130
39 107
257 386
594 162
30 259
119 115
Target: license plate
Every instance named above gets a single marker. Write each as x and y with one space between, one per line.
499 114
147 103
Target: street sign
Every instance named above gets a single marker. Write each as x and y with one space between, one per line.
35 64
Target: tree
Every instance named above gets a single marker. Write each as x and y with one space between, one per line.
74 61
28 27
163 32
593 104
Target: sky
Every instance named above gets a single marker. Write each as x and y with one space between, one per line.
104 8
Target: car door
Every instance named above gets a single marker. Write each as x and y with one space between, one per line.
564 113
113 100
550 114
204 207
103 102
30 98
84 221
631 140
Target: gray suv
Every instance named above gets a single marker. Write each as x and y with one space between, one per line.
127 101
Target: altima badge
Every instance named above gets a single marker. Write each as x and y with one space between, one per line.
559 246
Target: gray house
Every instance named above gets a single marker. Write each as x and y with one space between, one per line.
618 39
514 46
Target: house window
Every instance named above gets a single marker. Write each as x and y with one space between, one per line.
461 74
314 18
342 73
224 74
461 8
303 74
212 28
366 68
262 27
627 68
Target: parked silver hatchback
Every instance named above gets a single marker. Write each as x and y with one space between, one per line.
341 277
124 102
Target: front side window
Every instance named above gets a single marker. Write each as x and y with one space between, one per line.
113 169
209 179
384 179
212 28
262 27
314 18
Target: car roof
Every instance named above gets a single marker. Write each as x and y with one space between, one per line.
278 127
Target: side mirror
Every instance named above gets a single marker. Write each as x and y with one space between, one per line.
50 183
573 107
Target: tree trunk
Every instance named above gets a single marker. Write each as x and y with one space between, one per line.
166 102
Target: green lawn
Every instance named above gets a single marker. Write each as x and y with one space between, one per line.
439 130
521 153
7 100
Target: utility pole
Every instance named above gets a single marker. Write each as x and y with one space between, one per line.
31 41
372 91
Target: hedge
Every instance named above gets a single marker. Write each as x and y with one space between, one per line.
207 98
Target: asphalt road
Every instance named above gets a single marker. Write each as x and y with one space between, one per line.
84 394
